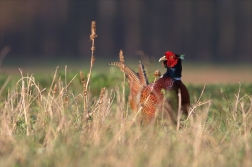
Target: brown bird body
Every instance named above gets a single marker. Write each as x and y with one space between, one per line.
160 97
152 98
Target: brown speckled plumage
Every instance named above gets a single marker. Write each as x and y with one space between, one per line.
152 96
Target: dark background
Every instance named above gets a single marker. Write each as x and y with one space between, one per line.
207 30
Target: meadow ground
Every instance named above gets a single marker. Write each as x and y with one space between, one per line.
47 119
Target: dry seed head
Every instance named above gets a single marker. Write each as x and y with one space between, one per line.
55 88
121 56
157 74
65 92
82 78
101 95
83 81
84 92
66 100
93 30
111 95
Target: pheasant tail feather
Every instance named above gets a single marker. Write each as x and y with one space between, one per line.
142 75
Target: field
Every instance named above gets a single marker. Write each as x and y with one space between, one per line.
48 118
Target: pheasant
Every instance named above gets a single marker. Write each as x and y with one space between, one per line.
172 62
150 98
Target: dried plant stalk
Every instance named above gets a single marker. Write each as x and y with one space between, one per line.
93 35
179 109
101 96
121 58
55 88
24 105
84 83
54 77
98 103
65 91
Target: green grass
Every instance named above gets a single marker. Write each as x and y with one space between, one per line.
39 127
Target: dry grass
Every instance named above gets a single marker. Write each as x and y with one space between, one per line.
39 128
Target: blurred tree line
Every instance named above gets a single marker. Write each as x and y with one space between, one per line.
209 30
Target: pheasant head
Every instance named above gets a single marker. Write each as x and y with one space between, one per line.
170 59
172 62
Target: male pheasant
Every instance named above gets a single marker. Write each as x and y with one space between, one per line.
158 97
172 62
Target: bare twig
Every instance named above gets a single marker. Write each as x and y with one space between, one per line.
23 103
54 77
179 109
121 58
198 102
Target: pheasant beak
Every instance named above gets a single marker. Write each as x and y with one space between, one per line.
162 59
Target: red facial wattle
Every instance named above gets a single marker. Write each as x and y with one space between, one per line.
171 59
